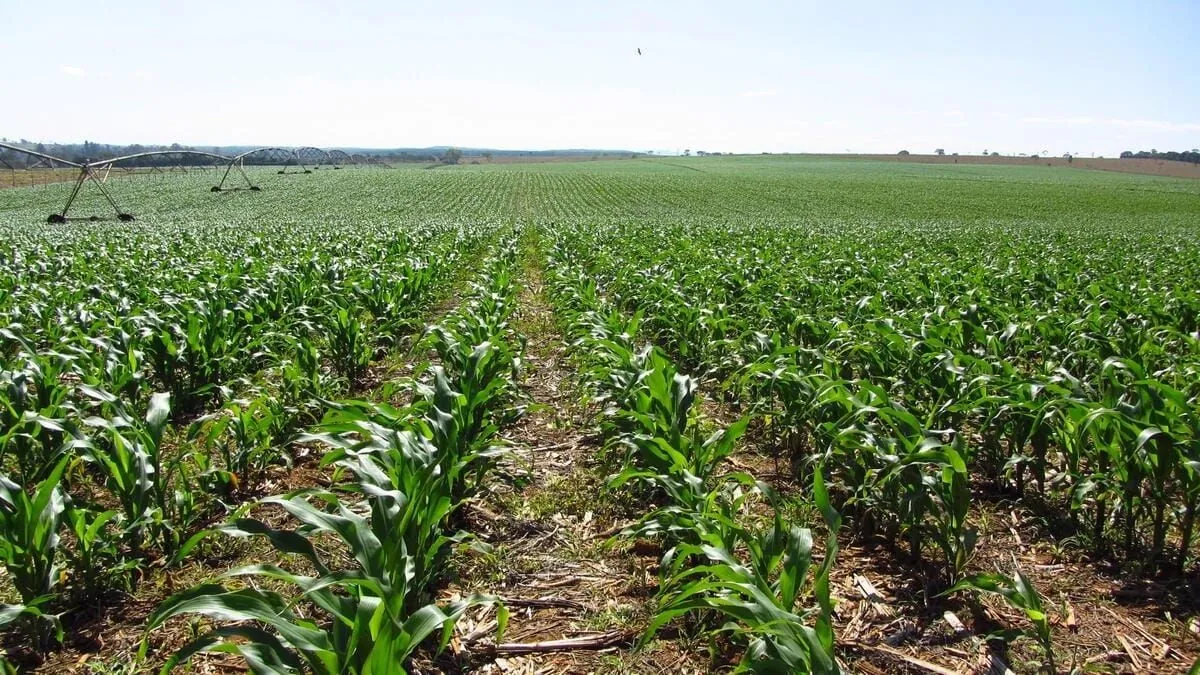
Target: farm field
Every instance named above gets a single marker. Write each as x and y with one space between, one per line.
662 415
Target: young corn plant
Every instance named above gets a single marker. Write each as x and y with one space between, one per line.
415 481
371 617
908 477
155 491
301 379
655 430
243 436
29 549
350 344
1019 591
36 413
763 596
412 468
97 563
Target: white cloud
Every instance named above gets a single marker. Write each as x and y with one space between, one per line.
73 71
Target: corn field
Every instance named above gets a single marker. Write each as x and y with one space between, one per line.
329 371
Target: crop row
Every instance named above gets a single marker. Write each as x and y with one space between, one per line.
151 380
718 561
408 470
915 365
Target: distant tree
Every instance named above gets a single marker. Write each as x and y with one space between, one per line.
954 154
687 153
995 154
985 152
903 153
701 153
939 152
1068 157
487 156
452 156
1192 155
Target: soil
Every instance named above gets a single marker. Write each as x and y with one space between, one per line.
548 519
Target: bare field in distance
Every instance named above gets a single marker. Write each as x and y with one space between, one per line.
1152 167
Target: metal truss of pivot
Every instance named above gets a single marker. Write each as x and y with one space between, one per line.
86 172
284 157
158 164
310 156
235 163
90 172
98 172
339 157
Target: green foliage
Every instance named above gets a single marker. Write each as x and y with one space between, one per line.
1019 591
156 491
411 468
29 546
378 616
919 333
97 562
244 436
757 581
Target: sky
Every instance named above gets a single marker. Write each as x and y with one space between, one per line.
1092 77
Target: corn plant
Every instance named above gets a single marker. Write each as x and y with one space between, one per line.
302 382
762 597
29 547
243 435
376 615
349 341
414 485
154 490
97 562
36 415
1019 591
906 476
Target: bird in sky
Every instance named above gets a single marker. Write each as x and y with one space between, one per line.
639 51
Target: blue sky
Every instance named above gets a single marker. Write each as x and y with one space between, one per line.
1083 77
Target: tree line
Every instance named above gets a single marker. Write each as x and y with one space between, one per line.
92 152
1192 155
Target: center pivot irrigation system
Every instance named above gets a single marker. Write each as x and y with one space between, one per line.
292 160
